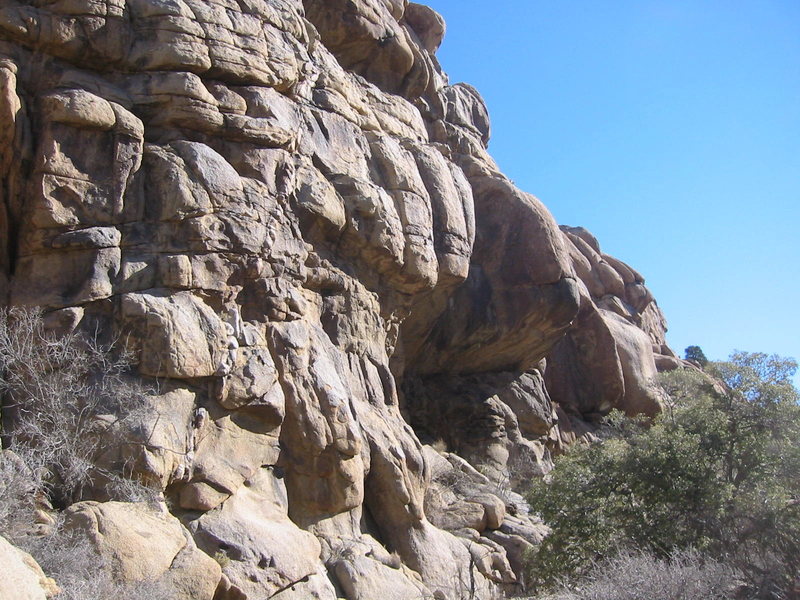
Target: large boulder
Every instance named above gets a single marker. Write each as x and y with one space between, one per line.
138 542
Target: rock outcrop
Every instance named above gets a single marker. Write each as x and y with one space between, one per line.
291 218
139 544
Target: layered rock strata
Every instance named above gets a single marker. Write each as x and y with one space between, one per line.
291 218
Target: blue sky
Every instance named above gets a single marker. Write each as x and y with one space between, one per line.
668 128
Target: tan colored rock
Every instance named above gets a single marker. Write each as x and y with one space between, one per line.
667 363
181 336
23 578
584 372
642 395
78 108
374 44
465 107
363 578
318 196
484 328
314 587
427 24
604 361
51 274
261 550
654 323
503 423
139 543
162 439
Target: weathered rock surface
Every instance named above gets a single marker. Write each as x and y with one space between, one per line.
291 218
23 578
138 543
606 360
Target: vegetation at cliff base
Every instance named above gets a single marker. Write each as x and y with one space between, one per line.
63 397
717 473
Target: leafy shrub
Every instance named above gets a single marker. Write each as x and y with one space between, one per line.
718 471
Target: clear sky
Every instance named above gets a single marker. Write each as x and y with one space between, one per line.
668 128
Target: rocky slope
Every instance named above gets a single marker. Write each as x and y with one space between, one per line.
290 216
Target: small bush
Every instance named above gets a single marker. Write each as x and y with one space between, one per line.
61 395
685 575
696 354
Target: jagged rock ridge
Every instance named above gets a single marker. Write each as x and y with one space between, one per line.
291 217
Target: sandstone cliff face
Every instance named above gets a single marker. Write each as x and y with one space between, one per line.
291 217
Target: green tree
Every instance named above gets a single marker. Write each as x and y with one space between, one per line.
696 354
718 471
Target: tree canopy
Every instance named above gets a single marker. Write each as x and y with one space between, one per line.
696 354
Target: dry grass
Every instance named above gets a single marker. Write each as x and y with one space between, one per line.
641 576
81 574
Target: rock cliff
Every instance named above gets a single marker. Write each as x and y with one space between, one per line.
290 216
